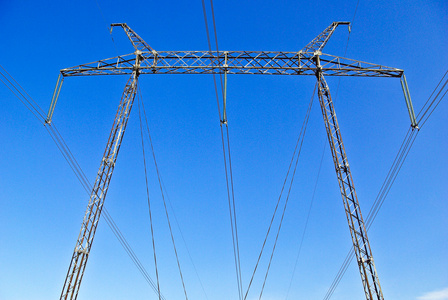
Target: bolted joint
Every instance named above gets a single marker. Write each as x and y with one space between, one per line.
363 260
138 59
80 250
343 167
109 161
225 66
316 58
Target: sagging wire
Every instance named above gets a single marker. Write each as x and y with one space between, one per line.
299 251
301 138
167 195
164 201
226 155
60 143
295 156
147 195
428 108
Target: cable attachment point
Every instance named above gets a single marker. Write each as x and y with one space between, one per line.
407 98
224 96
54 100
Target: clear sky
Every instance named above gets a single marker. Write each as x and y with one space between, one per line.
42 203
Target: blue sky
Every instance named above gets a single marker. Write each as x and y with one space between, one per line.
42 203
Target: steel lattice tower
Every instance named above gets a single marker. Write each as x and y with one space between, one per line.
309 61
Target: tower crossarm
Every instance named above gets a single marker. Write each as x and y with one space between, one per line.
321 40
233 62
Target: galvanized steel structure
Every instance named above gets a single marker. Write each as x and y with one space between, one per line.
309 61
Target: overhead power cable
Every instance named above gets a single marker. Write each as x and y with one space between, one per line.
27 100
172 208
163 199
169 201
226 154
295 156
346 45
107 25
299 251
430 105
301 138
147 195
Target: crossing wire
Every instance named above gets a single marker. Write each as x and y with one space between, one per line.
428 108
227 157
170 204
230 161
301 138
147 195
299 142
60 143
306 222
164 202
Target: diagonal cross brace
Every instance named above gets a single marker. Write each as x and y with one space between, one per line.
233 62
309 61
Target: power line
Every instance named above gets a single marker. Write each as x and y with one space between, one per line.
60 143
301 138
147 195
430 105
297 150
107 25
306 223
164 202
226 155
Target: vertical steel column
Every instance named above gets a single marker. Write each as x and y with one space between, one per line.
370 281
99 191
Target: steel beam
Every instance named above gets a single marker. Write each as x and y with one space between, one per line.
233 62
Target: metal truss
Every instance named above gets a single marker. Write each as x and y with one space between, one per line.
99 191
309 61
233 62
369 276
321 40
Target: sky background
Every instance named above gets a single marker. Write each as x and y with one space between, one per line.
42 203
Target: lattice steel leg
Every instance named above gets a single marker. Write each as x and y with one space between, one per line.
99 191
358 231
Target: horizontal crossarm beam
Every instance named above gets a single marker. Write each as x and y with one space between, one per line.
232 62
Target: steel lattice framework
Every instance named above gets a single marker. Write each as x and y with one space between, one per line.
309 61
232 62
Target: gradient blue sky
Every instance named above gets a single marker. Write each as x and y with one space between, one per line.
42 203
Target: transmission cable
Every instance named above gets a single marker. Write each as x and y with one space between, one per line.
346 45
60 143
172 209
183 238
226 156
431 107
147 195
108 26
17 90
405 147
297 150
301 138
164 202
306 222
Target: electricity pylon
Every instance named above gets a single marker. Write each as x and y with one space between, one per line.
309 61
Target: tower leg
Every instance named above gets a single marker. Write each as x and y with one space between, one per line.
358 231
98 195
